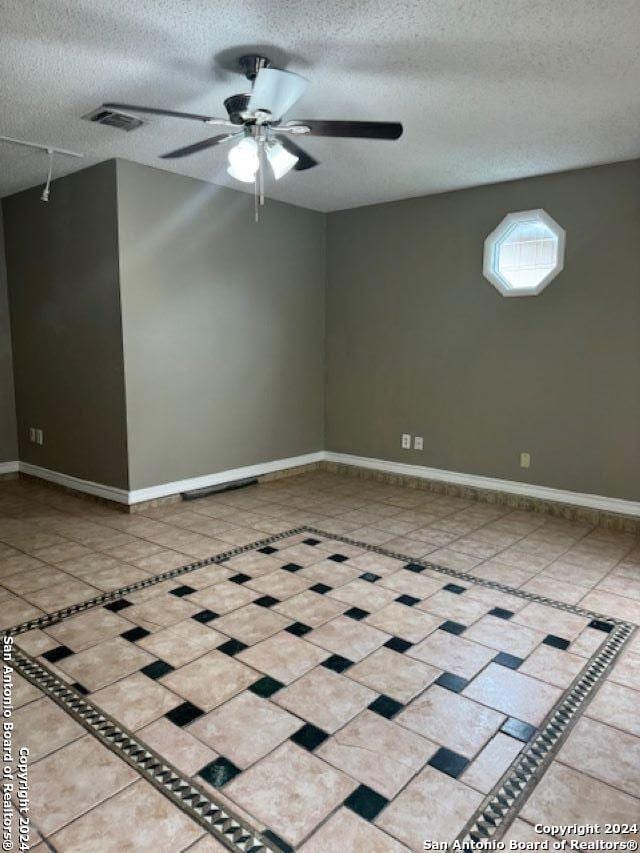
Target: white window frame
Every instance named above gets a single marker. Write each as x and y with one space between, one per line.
492 245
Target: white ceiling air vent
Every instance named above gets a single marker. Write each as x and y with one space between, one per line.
114 119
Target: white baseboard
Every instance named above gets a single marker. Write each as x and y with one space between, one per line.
230 476
617 505
9 467
111 493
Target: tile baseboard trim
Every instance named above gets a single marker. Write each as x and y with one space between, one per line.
9 467
602 510
165 490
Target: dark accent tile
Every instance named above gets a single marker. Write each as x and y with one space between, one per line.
311 541
397 644
501 613
268 549
510 661
310 737
291 567
338 558
184 714
232 647
298 629
205 616
157 669
386 706
556 642
266 686
356 613
217 773
266 601
365 802
280 843
369 576
80 688
118 604
409 600
453 587
337 663
452 682
599 625
414 567
180 591
240 578
518 729
135 634
320 588
452 627
449 762
60 652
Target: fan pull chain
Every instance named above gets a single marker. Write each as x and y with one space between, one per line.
46 190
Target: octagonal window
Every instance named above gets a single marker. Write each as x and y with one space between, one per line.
524 253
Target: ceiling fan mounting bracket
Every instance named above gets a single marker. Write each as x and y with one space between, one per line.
251 63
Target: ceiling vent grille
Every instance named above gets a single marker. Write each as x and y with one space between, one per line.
113 119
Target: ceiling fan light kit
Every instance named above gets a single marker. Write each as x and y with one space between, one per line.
255 125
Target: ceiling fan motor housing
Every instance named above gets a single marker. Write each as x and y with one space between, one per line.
236 106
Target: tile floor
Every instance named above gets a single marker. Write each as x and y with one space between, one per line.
335 698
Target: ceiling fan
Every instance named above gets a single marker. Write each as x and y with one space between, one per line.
255 124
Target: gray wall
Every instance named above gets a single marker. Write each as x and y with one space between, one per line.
8 434
223 327
62 262
418 341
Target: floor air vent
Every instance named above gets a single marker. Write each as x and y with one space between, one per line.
114 119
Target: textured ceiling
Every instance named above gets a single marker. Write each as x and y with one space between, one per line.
487 90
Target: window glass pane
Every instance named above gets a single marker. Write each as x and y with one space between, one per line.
527 254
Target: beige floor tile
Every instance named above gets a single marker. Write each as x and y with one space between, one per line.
452 653
402 621
60 553
133 550
433 807
330 573
210 680
251 623
513 693
311 608
449 605
161 611
542 584
627 671
87 629
553 665
118 576
177 745
283 657
489 766
495 570
324 698
223 597
35 642
367 596
549 620
34 580
74 779
567 797
88 564
62 594
135 700
346 831
253 563
162 561
607 603
606 753
309 789
15 610
107 662
245 728
208 844
587 643
23 691
618 706
379 564
377 752
394 674
412 583
43 727
505 636
207 576
138 818
451 720
182 642
348 637
519 831
279 584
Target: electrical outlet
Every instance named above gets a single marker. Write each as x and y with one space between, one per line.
32 435
418 443
406 441
525 460
39 436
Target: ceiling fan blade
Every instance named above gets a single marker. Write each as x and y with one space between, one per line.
353 129
305 161
276 91
199 146
134 108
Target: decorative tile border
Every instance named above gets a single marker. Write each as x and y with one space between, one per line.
229 829
496 812
500 808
